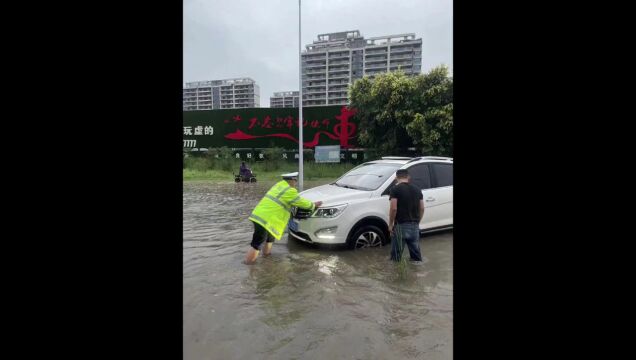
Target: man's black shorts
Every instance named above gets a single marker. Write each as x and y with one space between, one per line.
260 235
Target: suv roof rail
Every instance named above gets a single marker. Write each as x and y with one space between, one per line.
431 158
396 158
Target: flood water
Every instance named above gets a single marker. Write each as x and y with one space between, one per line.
304 302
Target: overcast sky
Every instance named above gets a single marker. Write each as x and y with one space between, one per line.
259 38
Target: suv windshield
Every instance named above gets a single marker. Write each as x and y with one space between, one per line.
367 176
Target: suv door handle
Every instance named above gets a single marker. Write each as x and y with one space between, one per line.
430 198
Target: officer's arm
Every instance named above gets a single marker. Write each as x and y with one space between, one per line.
293 199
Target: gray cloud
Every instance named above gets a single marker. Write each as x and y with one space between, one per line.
259 39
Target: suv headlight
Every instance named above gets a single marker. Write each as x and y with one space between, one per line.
329 211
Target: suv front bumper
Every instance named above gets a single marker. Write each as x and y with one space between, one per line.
320 230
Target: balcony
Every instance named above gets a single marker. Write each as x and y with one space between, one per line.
343 76
376 60
376 66
375 52
315 57
314 72
402 66
312 61
321 97
316 78
338 101
339 56
315 66
401 50
340 66
407 56
320 77
338 70
342 90
314 102
374 73
315 91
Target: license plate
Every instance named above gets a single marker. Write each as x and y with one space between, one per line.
293 225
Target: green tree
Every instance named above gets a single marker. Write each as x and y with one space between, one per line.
432 125
396 111
384 108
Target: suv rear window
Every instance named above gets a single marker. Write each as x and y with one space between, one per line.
420 176
443 174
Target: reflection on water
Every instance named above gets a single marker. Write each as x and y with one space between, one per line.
304 302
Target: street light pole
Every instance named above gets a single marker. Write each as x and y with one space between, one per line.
300 107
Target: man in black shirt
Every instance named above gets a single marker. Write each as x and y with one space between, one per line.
406 212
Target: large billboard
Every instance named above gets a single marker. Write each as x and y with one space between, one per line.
269 127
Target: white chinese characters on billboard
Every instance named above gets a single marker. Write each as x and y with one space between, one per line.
196 131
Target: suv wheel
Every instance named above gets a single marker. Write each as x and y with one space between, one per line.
366 236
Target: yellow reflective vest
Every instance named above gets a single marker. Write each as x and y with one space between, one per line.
273 211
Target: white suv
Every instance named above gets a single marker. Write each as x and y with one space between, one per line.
355 208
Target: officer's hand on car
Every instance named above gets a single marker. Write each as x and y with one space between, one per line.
318 203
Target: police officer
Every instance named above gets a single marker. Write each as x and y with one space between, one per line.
271 215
